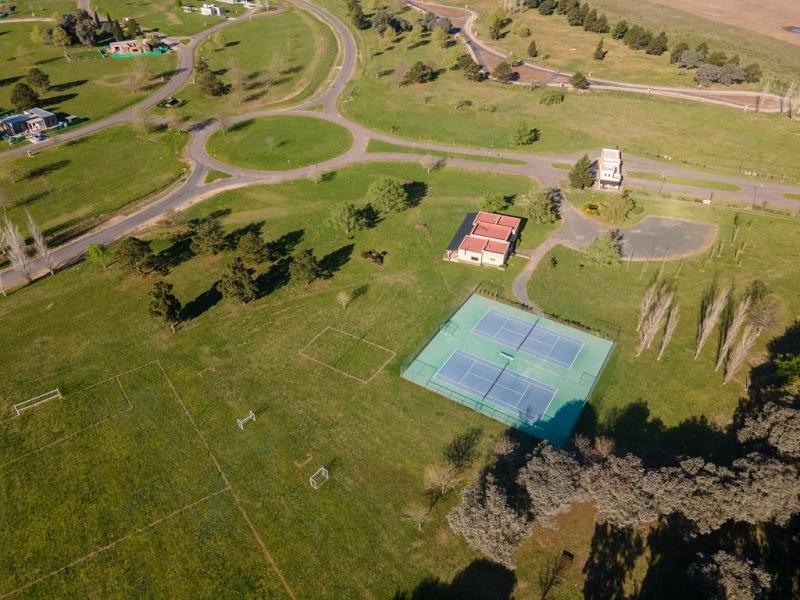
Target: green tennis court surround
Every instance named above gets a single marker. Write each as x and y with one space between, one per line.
518 367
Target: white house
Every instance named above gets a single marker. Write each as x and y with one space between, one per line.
489 240
610 171
211 10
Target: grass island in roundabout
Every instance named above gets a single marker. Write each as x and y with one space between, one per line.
279 143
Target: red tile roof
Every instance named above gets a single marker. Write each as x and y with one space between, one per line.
473 244
495 219
495 232
497 247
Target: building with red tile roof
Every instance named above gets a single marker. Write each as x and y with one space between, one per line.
489 240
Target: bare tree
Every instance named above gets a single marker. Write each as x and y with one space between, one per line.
739 319
39 243
550 576
652 324
344 298
647 303
440 481
669 330
505 447
431 163
740 351
15 249
417 514
710 318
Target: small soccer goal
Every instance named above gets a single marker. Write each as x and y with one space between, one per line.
318 478
240 423
37 400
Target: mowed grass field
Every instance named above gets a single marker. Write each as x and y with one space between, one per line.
162 15
70 186
279 143
347 540
454 110
89 89
678 388
281 56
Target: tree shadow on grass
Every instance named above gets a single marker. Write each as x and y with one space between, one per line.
9 80
178 252
203 302
68 85
612 559
232 238
416 190
481 580
284 245
334 261
240 126
47 169
55 100
274 278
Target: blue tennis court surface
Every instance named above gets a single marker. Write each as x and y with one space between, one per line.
523 395
522 368
527 337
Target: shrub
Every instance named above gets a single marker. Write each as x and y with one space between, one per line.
419 73
690 59
472 70
658 45
494 202
619 207
503 72
679 49
581 175
604 250
552 96
579 81
547 7
388 194
620 29
592 208
752 73
533 51
525 135
543 206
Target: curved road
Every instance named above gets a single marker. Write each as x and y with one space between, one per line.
193 189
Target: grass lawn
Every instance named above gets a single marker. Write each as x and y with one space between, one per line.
690 181
678 388
276 57
642 125
162 15
279 143
228 359
790 196
67 188
380 146
89 89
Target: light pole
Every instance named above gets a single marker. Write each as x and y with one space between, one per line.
660 187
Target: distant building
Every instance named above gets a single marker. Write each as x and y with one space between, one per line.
610 171
130 47
232 1
30 122
211 10
486 239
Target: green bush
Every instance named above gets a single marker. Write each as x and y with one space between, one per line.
552 96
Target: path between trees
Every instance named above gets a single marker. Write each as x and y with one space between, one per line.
576 230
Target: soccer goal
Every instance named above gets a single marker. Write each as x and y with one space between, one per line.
251 416
318 478
37 400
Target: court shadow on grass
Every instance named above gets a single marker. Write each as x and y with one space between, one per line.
481 580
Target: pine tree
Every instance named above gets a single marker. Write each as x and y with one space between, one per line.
238 282
164 305
533 51
581 176
600 51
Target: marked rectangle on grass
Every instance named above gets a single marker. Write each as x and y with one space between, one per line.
499 360
347 354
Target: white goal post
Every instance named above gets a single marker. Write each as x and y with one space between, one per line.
318 478
37 400
251 416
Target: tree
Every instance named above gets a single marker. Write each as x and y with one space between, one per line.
526 135
207 236
38 79
60 37
440 37
430 163
599 51
16 252
533 51
116 31
752 73
238 282
86 32
579 81
620 29
601 25
713 305
418 73
543 206
164 305
134 253
547 7
717 58
702 48
40 244
388 195
690 59
724 576
207 80
473 71
503 72
550 576
417 514
305 268
676 52
776 424
23 97
494 202
604 250
590 20
581 176
552 96
496 27
97 254
37 35
414 37
132 28
658 45
356 13
344 298
488 523
347 218
251 247
619 207
218 39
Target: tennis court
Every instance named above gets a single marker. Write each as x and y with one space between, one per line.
523 369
